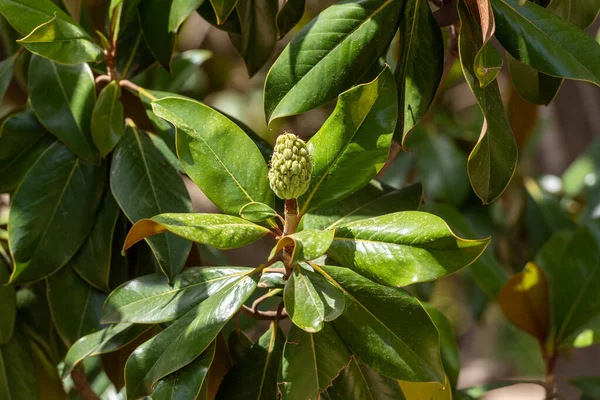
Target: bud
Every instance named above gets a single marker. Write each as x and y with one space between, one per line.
291 167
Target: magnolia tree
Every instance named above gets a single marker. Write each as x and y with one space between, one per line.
109 284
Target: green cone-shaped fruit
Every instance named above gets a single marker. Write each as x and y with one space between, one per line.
291 167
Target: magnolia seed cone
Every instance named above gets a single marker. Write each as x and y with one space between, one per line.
291 167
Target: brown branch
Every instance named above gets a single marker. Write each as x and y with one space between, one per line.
271 315
447 14
82 386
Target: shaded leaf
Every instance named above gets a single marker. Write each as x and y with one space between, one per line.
310 300
18 380
403 248
257 212
308 244
6 72
421 64
329 55
289 15
151 299
448 347
223 8
22 141
231 24
580 13
62 41
217 230
386 328
238 344
184 340
354 142
589 385
62 97
154 20
311 361
204 150
536 37
256 371
493 160
532 85
8 299
67 193
144 184
107 119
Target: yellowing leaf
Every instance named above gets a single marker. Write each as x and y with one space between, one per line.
426 390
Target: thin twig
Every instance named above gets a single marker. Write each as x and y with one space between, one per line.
82 386
270 315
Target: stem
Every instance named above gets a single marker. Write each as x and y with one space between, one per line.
291 217
550 377
82 386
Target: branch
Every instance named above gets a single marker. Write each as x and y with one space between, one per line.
270 315
447 14
82 386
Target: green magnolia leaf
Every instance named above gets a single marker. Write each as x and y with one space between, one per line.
574 178
258 37
403 248
357 381
371 201
8 299
580 13
329 55
75 306
104 341
589 386
144 184
184 340
572 264
180 10
308 244
448 345
257 212
310 300
289 15
18 379
588 336
60 193
532 85
230 25
151 299
223 8
493 160
93 260
22 141
154 20
107 119
186 383
386 328
238 344
311 361
217 230
552 45
354 142
62 41
256 372
134 55
228 180
6 72
62 97
421 64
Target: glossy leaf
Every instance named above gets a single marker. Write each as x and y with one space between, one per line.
204 150
18 378
133 55
532 85
371 201
354 142
67 193
329 55
154 17
184 340
257 212
186 383
223 8
580 13
493 160
256 372
180 10
552 45
386 328
421 64
107 119
311 361
403 248
524 300
289 15
258 37
448 345
151 299
310 300
22 141
308 244
6 72
62 97
572 263
62 41
93 260
588 336
104 341
8 299
217 230
230 25
144 184
357 381
75 306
